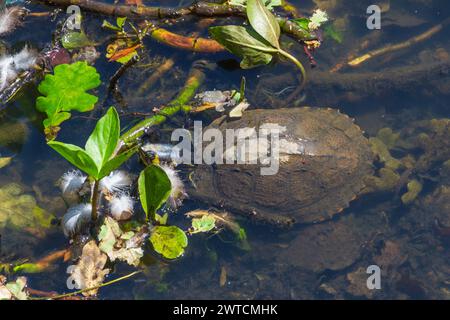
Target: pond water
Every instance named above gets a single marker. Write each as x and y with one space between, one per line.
403 90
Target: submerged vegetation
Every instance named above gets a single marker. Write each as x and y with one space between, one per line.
122 189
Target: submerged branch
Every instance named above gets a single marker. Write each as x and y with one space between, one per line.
195 79
355 62
199 9
400 78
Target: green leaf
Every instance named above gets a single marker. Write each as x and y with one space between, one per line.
169 241
203 224
115 162
75 39
76 156
65 91
103 140
154 189
264 22
120 21
333 33
302 23
109 25
245 43
270 4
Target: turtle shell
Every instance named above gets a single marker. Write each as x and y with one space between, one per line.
319 179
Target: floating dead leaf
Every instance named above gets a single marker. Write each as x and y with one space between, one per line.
119 245
239 109
90 270
124 55
13 290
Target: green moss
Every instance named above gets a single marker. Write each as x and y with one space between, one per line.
387 180
381 150
414 188
388 137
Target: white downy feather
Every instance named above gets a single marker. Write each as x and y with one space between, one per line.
76 219
178 192
70 184
116 182
121 207
10 18
12 65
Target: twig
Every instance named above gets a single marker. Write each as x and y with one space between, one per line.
200 9
156 75
399 46
61 296
195 79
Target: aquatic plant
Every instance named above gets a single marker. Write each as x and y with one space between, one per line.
154 189
257 45
169 241
98 159
65 91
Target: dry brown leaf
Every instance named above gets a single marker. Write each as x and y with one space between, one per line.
90 272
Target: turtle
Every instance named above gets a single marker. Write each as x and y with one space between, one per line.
320 179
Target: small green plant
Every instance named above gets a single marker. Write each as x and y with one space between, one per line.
98 159
256 45
154 189
65 91
169 241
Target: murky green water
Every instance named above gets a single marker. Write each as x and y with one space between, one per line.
327 260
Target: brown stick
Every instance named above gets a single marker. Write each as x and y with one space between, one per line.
201 9
398 46
187 43
156 75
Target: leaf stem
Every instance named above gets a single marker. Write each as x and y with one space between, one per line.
94 201
298 64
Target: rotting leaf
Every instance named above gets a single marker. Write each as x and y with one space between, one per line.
90 270
119 245
14 289
169 241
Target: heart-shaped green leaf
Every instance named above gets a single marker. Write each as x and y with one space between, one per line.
264 22
245 43
154 189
